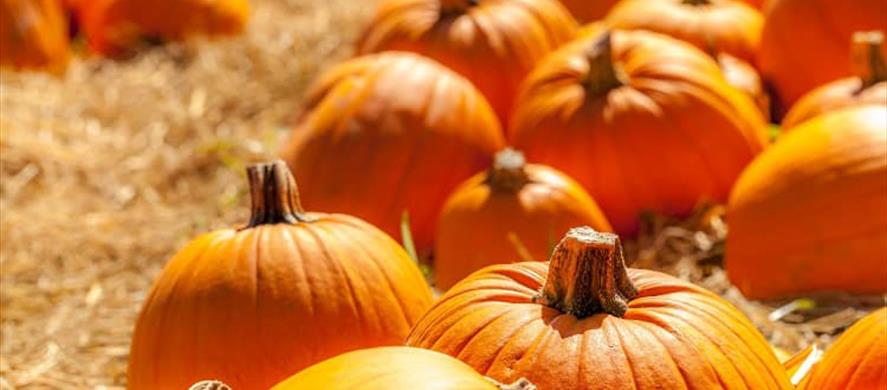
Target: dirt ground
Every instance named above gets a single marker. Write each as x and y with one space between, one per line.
107 171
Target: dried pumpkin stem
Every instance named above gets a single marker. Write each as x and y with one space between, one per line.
587 275
275 195
697 2
520 384
603 74
868 57
508 173
456 6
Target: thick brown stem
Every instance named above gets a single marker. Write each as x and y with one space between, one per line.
508 173
456 6
867 55
603 74
697 2
587 275
275 195
520 384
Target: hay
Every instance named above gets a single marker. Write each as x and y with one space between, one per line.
105 173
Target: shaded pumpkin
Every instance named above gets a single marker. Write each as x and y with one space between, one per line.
857 360
493 43
585 321
745 77
586 11
33 35
717 26
514 211
645 123
368 148
809 210
804 43
867 86
249 306
388 368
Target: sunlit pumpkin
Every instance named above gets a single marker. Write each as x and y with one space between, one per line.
514 211
808 214
250 306
33 35
745 77
867 86
493 43
389 133
645 123
585 321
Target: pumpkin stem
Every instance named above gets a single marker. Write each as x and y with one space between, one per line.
456 7
697 2
508 173
868 57
275 195
520 384
587 275
603 74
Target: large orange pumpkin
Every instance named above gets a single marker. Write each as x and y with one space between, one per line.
33 35
587 11
804 42
250 306
493 43
808 214
727 26
512 212
868 86
389 133
392 368
647 123
585 321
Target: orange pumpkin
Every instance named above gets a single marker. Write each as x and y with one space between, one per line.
589 10
33 35
389 133
390 368
585 321
727 26
869 86
514 211
116 27
744 77
645 123
857 360
249 306
803 44
810 210
493 43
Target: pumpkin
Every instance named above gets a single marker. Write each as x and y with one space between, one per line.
807 214
645 123
585 321
33 35
857 360
804 42
744 77
798 365
868 86
116 27
250 306
386 368
717 26
587 11
493 43
514 211
367 148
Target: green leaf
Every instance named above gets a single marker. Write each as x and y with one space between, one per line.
407 236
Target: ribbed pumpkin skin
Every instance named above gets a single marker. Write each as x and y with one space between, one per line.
494 44
834 96
673 134
857 360
586 11
804 42
33 35
250 306
387 133
810 210
744 77
728 26
388 368
476 221
674 335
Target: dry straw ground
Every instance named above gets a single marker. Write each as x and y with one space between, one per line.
107 171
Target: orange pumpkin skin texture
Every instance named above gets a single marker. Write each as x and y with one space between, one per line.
493 43
868 86
584 321
586 11
727 26
804 42
369 149
512 208
857 360
652 125
33 35
744 77
250 306
810 210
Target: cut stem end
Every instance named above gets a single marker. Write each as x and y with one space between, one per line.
868 57
274 194
508 173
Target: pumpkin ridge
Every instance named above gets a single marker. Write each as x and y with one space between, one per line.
466 341
654 329
515 329
341 268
